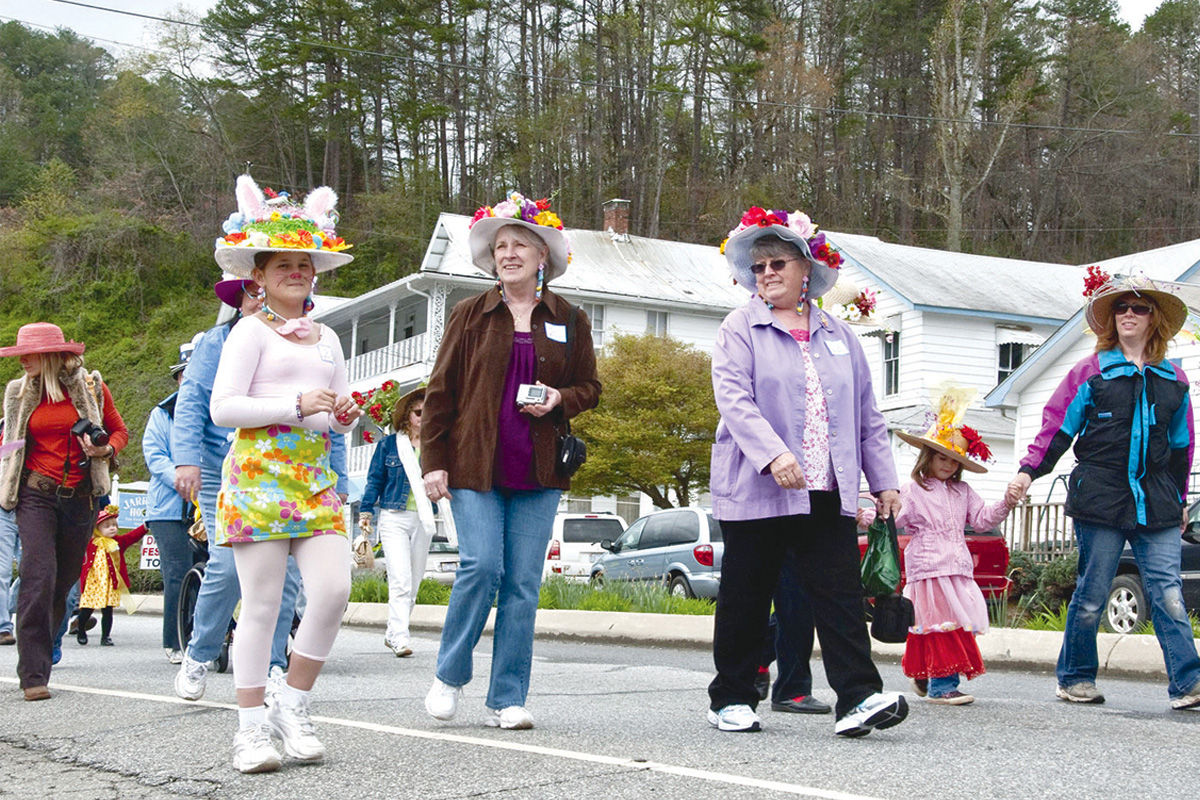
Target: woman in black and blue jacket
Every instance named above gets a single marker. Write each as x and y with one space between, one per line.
406 523
1129 413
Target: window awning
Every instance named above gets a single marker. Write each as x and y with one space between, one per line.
1014 336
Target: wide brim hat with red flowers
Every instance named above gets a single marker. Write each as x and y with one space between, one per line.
41 337
1103 296
795 227
272 224
516 209
947 435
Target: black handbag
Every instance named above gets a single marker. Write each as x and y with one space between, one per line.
893 614
892 618
572 452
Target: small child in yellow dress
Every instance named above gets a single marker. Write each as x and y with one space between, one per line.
104 577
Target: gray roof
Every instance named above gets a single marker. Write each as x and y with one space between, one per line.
657 271
941 280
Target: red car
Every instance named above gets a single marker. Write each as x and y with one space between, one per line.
989 551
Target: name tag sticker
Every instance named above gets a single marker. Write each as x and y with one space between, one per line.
556 333
325 352
1104 415
837 347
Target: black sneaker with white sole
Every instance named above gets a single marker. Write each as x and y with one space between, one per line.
879 711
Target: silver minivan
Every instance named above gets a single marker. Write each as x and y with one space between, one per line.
679 547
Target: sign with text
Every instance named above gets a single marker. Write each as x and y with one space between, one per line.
149 553
132 510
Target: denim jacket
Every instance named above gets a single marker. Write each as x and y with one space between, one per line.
196 440
163 503
387 485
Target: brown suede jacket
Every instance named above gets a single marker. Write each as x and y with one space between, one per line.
462 402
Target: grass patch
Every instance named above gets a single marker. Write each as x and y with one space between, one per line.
645 598
1049 620
368 587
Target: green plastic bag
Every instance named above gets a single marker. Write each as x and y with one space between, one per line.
881 563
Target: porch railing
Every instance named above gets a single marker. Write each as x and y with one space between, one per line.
386 359
1040 529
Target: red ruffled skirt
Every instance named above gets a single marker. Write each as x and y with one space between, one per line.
941 654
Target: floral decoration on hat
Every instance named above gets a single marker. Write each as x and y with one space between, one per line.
1094 279
948 435
797 222
517 209
267 220
111 510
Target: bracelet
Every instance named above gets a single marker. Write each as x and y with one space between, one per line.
299 413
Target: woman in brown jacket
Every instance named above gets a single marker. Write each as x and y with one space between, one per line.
491 446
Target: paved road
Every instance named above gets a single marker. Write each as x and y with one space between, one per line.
613 722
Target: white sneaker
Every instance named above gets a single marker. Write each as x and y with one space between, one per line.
253 751
880 710
735 718
401 650
442 700
513 718
174 656
293 725
189 683
276 678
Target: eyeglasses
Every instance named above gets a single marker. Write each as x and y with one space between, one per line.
1122 307
777 264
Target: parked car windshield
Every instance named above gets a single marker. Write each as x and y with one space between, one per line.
591 529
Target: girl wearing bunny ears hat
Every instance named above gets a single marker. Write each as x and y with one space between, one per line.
267 222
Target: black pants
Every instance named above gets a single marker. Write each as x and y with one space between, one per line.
825 546
54 533
106 620
790 636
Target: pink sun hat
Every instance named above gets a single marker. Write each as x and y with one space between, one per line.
41 337
228 291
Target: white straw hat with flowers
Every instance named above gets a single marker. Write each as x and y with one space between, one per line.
1103 291
267 222
516 209
795 227
948 435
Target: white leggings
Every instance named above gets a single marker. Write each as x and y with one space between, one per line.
324 563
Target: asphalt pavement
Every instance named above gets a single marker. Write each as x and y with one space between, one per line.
613 720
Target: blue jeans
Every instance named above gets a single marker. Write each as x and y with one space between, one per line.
174 560
10 553
64 623
220 591
1157 554
794 634
940 687
502 539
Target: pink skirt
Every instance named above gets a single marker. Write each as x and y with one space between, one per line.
947 603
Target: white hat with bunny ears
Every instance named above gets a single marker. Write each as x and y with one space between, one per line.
269 223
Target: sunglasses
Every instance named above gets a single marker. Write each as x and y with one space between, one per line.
1122 307
777 264
415 412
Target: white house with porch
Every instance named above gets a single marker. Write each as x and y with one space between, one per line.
940 315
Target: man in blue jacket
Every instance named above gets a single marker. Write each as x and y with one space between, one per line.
200 446
166 515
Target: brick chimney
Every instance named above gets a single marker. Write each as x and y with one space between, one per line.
616 216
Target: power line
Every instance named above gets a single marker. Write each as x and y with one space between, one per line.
580 83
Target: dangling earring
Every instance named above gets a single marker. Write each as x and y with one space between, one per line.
500 288
262 293
803 295
537 295
308 305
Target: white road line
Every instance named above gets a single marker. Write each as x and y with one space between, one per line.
593 758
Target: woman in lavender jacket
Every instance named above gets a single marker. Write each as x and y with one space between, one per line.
799 425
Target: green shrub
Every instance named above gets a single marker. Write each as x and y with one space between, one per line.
1049 620
605 601
141 581
1025 573
1057 581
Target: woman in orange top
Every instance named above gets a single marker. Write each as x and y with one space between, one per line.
70 429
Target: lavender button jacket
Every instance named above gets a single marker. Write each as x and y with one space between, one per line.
758 379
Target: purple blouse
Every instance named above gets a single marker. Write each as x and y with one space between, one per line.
513 465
